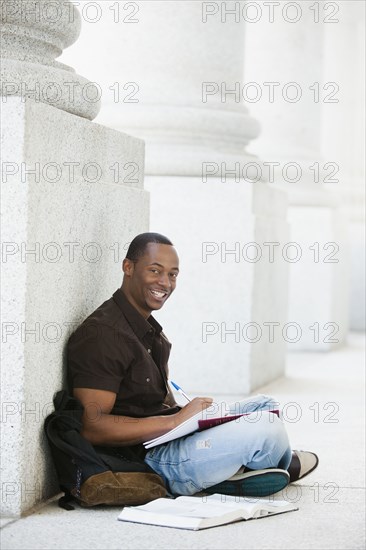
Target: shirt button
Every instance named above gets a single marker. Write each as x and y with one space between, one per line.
147 379
149 350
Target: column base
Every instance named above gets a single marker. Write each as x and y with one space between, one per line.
219 316
319 281
64 233
180 139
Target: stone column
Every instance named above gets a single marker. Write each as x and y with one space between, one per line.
297 95
181 55
70 204
33 34
180 67
343 138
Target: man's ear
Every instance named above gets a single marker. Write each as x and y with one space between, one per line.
127 267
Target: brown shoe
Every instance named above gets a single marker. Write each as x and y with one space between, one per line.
302 464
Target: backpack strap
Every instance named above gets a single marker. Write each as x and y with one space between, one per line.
64 502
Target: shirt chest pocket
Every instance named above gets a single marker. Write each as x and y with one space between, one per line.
144 378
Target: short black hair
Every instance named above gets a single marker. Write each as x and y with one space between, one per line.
138 245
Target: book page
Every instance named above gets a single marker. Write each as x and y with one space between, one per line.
185 428
203 420
250 504
202 512
186 507
191 424
210 506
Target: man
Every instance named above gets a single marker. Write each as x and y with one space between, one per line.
118 369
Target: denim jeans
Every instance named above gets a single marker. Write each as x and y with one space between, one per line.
201 459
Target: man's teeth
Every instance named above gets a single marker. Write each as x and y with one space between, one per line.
158 294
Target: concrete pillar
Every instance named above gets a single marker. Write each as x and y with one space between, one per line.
33 34
343 138
69 206
182 59
178 65
297 95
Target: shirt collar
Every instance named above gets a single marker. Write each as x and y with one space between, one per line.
139 324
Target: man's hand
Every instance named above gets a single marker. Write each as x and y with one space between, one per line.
196 405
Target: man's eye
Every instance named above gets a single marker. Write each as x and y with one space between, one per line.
154 270
174 275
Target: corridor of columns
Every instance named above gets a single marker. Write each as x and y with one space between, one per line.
234 128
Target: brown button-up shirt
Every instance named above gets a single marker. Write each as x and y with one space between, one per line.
117 350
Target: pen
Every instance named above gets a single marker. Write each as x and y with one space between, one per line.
179 389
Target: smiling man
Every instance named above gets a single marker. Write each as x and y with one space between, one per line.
118 369
150 273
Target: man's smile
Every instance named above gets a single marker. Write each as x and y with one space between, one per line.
158 294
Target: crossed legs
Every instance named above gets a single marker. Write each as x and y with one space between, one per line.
203 459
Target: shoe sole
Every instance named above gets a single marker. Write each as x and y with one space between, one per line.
255 485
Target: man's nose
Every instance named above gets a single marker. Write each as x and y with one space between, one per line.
165 281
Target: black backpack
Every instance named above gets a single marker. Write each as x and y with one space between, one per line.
92 475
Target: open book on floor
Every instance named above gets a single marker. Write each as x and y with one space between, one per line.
202 420
202 512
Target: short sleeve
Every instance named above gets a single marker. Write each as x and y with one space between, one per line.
95 359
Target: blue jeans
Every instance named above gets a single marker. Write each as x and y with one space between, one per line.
199 460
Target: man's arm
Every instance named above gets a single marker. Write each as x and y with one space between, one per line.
102 428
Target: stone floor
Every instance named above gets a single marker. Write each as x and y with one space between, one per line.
323 400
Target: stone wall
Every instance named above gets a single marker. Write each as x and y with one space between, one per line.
72 198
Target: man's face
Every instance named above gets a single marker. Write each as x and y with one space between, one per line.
149 282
